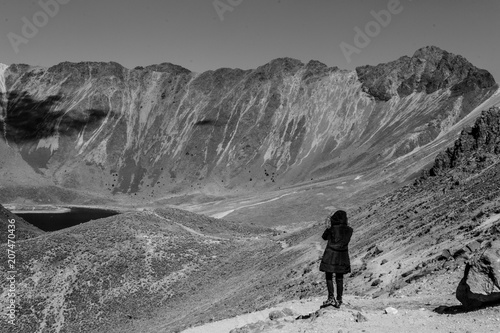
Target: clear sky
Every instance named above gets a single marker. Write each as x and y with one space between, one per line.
247 33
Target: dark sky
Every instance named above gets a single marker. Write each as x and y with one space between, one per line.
249 33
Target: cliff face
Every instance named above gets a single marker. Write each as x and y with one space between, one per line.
476 148
162 129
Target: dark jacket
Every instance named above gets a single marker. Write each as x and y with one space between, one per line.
336 256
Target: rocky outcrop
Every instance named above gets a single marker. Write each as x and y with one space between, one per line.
480 285
429 70
476 148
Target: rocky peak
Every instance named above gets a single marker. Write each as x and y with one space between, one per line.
428 70
429 53
280 65
477 147
166 67
18 68
94 68
316 68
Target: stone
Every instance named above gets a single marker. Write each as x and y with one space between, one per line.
377 250
276 314
473 246
360 318
390 310
446 254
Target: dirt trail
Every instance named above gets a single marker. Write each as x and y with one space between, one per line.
227 212
188 228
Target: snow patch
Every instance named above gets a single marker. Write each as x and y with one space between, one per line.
3 68
223 214
51 143
99 154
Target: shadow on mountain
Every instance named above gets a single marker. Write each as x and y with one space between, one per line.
209 122
28 119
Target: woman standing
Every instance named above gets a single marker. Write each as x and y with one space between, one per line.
336 256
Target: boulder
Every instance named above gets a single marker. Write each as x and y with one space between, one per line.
480 285
276 314
390 310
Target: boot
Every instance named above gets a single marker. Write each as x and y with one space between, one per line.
331 297
340 290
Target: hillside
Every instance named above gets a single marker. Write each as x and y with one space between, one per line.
161 133
110 273
409 250
400 237
165 270
23 230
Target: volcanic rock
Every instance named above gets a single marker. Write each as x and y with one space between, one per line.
476 148
480 285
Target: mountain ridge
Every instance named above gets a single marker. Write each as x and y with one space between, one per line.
137 134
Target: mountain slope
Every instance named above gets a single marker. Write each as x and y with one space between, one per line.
110 274
164 270
162 130
421 231
21 229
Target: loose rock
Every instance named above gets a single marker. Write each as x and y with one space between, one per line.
360 318
276 314
390 310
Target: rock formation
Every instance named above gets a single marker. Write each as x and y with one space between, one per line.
429 69
480 285
476 148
